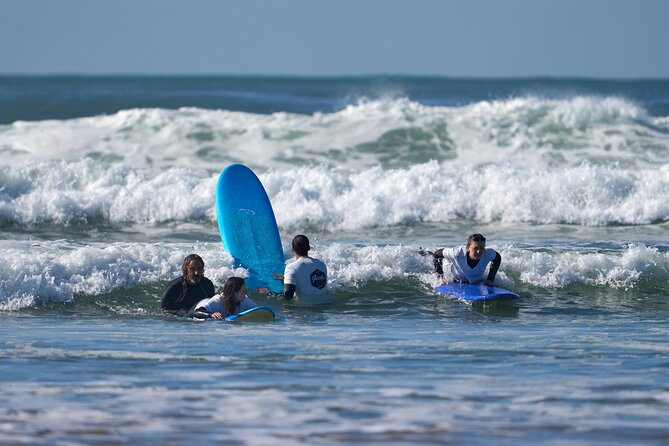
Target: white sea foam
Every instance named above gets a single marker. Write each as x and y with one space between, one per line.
328 199
527 131
59 270
621 270
61 192
585 194
584 160
42 271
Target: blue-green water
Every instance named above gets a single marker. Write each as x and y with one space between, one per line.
107 183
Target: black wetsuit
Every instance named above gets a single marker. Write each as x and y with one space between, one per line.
176 300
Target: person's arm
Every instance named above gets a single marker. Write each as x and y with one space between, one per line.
170 295
287 294
494 266
166 302
289 282
202 313
208 287
208 309
288 291
438 262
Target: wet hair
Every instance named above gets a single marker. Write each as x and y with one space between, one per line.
184 268
301 245
230 288
475 238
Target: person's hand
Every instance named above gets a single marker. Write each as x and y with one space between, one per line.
263 290
278 276
424 252
217 315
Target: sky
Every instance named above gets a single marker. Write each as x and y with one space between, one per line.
470 38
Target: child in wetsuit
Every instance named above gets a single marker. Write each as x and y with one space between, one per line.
233 300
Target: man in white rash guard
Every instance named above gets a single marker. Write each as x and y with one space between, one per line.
306 278
469 263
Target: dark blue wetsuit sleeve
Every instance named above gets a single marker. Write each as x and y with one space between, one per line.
208 287
438 262
200 313
207 290
171 295
494 266
288 291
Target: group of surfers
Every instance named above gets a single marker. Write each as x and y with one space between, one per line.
305 279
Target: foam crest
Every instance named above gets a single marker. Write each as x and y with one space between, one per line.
60 270
198 138
538 132
78 192
350 265
620 270
585 195
326 199
529 131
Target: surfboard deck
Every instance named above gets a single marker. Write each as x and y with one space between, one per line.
472 293
248 227
256 314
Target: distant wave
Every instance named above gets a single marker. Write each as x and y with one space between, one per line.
58 271
525 131
583 195
332 199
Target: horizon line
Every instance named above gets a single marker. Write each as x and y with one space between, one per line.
341 76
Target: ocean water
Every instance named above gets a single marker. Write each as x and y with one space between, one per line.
107 183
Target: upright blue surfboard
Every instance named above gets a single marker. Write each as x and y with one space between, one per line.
248 227
470 293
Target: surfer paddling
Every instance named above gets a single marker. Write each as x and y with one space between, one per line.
468 264
233 300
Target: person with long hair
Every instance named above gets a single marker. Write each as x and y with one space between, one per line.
191 287
233 300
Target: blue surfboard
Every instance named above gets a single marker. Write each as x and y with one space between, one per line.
248 227
471 293
256 314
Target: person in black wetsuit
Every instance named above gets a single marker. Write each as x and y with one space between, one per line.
184 292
